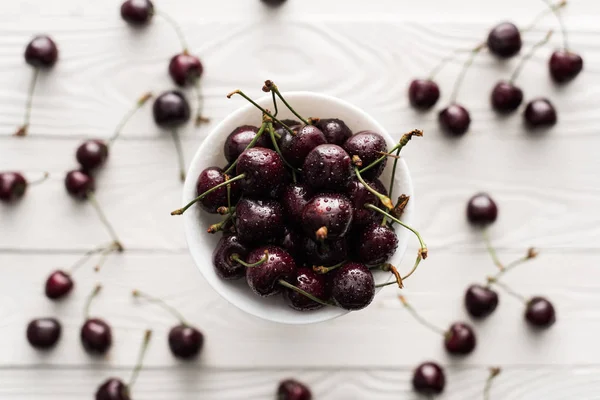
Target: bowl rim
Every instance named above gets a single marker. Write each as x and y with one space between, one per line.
189 187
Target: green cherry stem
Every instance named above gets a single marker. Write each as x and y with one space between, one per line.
494 372
270 86
319 269
200 118
236 258
276 146
528 56
386 201
180 158
161 303
287 128
176 28
214 228
554 8
139 103
94 202
420 319
88 302
274 103
22 131
39 180
503 286
403 141
87 255
252 143
304 293
491 250
180 211
531 253
140 360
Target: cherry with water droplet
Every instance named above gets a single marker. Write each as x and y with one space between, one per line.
353 286
312 283
259 221
294 198
296 146
327 216
327 167
324 253
376 244
240 138
264 172
360 195
335 130
208 179
369 147
225 265
264 279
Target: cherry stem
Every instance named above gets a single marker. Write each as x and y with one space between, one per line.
287 128
394 271
180 158
250 145
414 268
236 258
230 210
423 250
491 250
39 180
503 286
494 372
444 61
22 131
304 293
102 260
274 103
531 253
200 119
554 9
214 228
86 256
140 360
277 149
464 69
528 56
403 141
393 177
420 319
140 102
160 303
270 86
92 199
180 211
323 270
386 201
88 302
177 29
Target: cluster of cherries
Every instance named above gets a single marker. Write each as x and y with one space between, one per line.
503 41
304 210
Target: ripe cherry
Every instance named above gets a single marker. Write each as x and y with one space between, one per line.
327 216
95 334
368 146
376 244
482 209
335 130
240 138
58 285
91 154
43 333
223 257
480 301
208 179
327 167
539 312
455 120
565 66
292 243
295 147
263 170
291 389
460 339
506 97
294 198
79 184
259 221
429 379
275 3
540 113
278 265
137 12
312 283
171 109
325 253
504 40
12 186
353 286
185 68
359 195
423 94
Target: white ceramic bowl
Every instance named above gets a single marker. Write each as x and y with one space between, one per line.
201 244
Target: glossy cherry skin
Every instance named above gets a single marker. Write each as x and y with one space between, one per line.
58 285
327 253
259 221
292 243
460 339
367 145
429 379
335 130
225 266
79 184
96 336
295 148
209 178
333 211
264 278
565 66
91 154
454 120
376 244
41 52
327 167
353 286
423 94
240 138
185 69
294 198
540 313
171 109
506 97
137 12
311 282
481 209
480 301
540 113
291 389
113 389
504 40
185 341
359 195
264 172
12 186
43 333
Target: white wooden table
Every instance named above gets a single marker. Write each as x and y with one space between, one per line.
547 187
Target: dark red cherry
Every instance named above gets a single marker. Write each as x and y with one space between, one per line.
185 341
335 130
137 12
264 278
79 184
41 52
367 145
12 186
506 97
353 286
171 109
264 172
460 339
359 195
58 285
429 379
225 266
565 66
259 221
482 209
327 167
311 282
480 301
540 313
327 216
240 138
454 120
274 3
504 40
291 123
185 69
540 113
292 243
96 336
43 333
91 154
294 198
291 389
423 93
376 244
295 148
113 389
326 253
209 178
